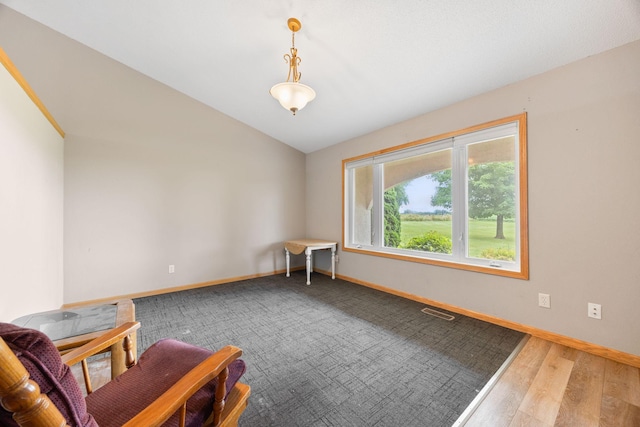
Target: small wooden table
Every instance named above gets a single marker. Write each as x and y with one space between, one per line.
73 327
308 246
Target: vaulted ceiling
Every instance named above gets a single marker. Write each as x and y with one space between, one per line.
372 63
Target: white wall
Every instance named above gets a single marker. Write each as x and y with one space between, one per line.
153 177
584 226
31 205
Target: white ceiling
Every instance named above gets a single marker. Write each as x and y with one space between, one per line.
372 63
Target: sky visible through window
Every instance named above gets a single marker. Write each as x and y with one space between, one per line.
419 192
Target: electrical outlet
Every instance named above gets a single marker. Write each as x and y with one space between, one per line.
337 259
172 269
595 310
544 300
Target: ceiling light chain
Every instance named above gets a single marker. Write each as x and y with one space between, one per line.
293 60
293 95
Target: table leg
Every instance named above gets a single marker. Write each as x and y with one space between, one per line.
286 251
307 252
333 262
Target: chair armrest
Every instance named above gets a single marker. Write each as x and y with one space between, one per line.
96 345
172 399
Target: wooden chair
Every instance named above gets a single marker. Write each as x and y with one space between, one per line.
173 383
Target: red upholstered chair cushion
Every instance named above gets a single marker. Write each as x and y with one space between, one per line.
42 360
158 368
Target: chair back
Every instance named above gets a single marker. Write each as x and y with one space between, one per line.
36 388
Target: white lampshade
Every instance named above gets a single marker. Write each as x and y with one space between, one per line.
292 96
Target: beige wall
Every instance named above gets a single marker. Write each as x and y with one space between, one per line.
584 226
31 205
154 178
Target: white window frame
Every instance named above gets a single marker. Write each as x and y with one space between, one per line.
458 142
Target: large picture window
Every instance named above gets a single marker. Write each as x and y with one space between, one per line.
457 200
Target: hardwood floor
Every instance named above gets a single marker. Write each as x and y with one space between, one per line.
546 385
549 384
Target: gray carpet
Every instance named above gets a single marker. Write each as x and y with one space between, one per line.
334 353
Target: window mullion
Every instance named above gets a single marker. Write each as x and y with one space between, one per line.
459 205
377 222
350 203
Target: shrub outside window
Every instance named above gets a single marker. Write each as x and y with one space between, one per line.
456 200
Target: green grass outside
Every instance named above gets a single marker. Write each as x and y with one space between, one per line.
481 232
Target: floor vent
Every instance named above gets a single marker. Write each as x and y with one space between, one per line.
436 313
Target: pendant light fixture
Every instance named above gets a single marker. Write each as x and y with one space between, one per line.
293 95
